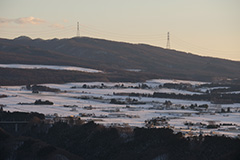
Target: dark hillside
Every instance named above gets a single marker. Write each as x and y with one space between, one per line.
10 76
113 56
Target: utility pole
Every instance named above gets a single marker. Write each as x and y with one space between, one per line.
78 31
168 41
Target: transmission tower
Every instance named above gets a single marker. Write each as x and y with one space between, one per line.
78 31
168 41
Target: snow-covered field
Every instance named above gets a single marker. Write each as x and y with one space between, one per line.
95 104
54 67
162 81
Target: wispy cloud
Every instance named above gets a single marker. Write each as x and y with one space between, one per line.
29 20
23 20
4 20
56 26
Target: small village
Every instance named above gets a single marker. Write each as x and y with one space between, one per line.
132 105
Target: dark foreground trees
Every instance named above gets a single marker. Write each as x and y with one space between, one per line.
93 141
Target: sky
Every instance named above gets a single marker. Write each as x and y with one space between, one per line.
203 27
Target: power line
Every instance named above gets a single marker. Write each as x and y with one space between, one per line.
95 29
38 31
104 34
191 46
89 30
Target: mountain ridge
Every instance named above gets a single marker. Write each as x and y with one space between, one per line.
112 56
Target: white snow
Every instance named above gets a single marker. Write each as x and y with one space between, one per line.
68 96
163 81
133 70
234 92
53 67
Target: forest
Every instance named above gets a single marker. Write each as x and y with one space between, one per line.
89 141
9 76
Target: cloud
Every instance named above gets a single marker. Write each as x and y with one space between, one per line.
4 21
24 20
29 20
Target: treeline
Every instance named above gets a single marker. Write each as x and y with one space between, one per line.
36 88
10 76
3 96
229 86
20 116
197 97
214 98
37 76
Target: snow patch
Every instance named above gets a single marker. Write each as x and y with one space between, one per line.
53 67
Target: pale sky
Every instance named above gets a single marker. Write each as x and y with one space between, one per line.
203 27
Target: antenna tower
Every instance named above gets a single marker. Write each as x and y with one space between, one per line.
78 31
168 41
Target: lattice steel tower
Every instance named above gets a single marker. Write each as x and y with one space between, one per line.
168 41
78 31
